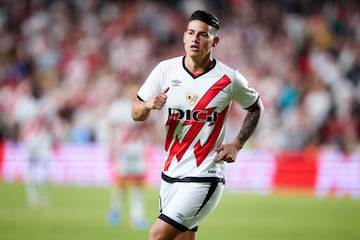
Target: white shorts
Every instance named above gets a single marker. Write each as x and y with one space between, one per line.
37 172
185 203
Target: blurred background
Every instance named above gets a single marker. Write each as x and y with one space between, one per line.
63 64
68 69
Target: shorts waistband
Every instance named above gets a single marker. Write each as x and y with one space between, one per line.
192 179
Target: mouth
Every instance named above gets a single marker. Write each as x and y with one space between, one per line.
194 47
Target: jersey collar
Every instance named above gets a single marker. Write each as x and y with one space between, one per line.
194 76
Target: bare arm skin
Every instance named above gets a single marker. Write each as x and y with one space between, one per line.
250 122
141 110
228 152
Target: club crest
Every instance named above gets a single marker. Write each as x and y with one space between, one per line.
192 98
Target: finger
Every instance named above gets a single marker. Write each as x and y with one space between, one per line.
231 156
231 159
165 90
226 157
219 148
220 158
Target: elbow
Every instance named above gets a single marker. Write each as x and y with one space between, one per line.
138 117
134 118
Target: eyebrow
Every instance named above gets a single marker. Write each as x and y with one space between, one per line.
189 29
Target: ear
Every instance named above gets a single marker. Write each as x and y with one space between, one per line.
216 41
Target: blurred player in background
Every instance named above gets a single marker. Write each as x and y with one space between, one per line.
196 92
127 145
38 140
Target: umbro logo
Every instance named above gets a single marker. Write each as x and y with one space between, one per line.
180 216
176 82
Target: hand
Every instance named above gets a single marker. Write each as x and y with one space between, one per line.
227 153
158 100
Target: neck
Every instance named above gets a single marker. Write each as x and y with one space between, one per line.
198 66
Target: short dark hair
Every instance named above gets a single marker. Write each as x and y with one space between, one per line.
206 17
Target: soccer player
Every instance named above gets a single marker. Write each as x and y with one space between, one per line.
38 140
127 144
196 92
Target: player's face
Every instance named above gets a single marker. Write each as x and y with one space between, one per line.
198 41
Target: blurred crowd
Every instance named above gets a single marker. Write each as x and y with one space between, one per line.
64 62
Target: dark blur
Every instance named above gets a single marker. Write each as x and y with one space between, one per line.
69 60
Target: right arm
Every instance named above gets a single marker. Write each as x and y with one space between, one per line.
141 110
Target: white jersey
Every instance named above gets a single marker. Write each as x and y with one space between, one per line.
195 114
128 139
38 139
127 132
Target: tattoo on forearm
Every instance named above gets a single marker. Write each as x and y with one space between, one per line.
250 122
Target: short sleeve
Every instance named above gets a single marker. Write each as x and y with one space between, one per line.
242 92
152 84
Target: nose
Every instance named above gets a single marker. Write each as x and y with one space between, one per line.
195 38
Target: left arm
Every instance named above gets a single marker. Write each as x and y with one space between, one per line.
228 152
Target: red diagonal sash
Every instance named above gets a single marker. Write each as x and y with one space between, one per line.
201 151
